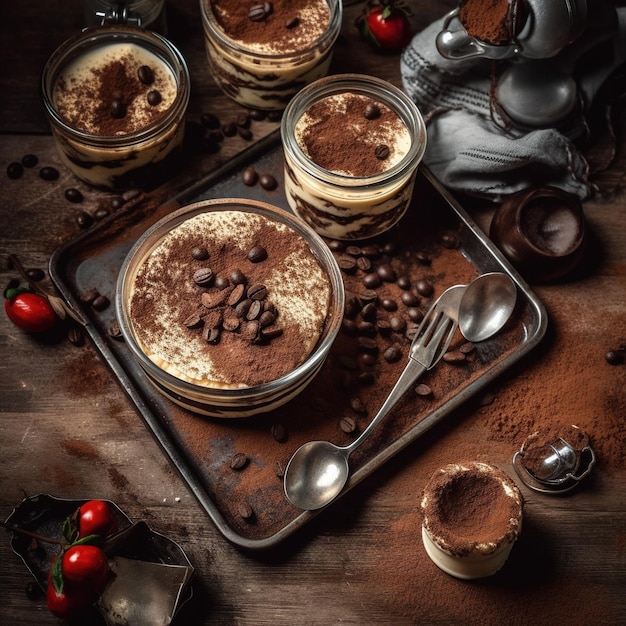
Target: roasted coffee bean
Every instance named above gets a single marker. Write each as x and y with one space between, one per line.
89 296
35 274
614 357
117 203
231 322
244 133
383 327
454 356
100 303
369 295
411 331
367 344
424 288
423 258
213 319
356 404
336 245
381 152
365 379
389 305
372 111
353 250
145 74
229 129
193 321
257 114
211 299
75 336
486 399
415 315
154 97
367 359
236 295
199 253
467 348
390 248
266 319
100 213
366 329
211 335
397 324
30 160
274 116
130 194
364 264
245 510
347 424
251 330
118 109
404 282
243 120
268 182
293 22
254 311
371 250
203 277
49 173
221 282
210 121
346 263
238 461
386 273
257 292
368 312
84 220
352 307
15 170
242 307
279 432
423 390
349 327
238 277
409 298
392 354
271 333
257 254
450 241
371 281
249 177
347 362
73 195
259 12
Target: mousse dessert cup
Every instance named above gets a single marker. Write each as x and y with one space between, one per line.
116 98
261 54
230 306
352 146
472 516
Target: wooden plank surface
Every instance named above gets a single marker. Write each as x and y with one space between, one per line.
67 428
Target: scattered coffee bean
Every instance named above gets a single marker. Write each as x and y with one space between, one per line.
423 390
245 133
238 277
423 258
450 241
368 295
154 97
367 359
392 354
243 120
386 273
254 310
454 356
487 398
257 254
268 182
30 160
347 424
229 129
211 335
212 299
383 327
236 295
35 274
372 111
145 75
614 357
292 23
257 114
238 461
100 213
130 194
366 379
371 281
366 329
353 250
203 277
243 307
100 303
381 152
259 12
356 404
49 173
364 264
89 296
249 177
193 321
368 312
117 203
467 348
424 288
245 510
257 292
221 282
346 263
15 170
274 116
397 324
349 327
410 299
84 220
267 318
73 195
114 330
415 315
404 282
75 336
210 121
118 109
199 253
279 432
389 305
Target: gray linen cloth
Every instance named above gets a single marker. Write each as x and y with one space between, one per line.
471 148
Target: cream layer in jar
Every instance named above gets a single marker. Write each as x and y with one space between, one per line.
262 54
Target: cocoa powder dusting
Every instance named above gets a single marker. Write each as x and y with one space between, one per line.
495 22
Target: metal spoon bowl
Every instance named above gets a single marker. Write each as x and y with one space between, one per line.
319 470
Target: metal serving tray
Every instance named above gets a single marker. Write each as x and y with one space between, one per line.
202 448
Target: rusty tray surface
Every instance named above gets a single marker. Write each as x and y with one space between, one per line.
201 448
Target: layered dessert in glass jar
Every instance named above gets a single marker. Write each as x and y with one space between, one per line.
261 54
116 98
352 146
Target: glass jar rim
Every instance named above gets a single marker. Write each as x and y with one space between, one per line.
92 37
361 84
327 37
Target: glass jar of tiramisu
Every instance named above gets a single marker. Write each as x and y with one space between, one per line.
261 54
116 98
352 146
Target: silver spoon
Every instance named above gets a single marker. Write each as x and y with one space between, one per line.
319 470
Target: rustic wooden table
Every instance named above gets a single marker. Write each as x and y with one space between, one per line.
68 429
